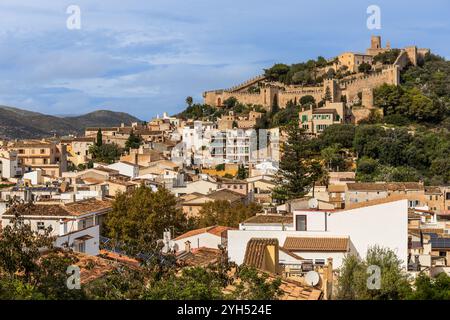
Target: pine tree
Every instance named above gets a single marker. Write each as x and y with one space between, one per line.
295 176
242 172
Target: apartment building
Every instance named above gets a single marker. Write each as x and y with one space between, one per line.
78 149
49 156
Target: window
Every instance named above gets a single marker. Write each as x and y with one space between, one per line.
40 225
300 224
319 261
304 118
82 247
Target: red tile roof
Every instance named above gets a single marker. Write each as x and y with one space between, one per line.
316 244
215 230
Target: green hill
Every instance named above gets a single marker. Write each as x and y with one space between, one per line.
21 124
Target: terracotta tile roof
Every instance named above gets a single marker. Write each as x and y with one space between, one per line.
70 209
320 111
336 188
270 218
294 290
358 186
215 230
200 257
255 251
316 244
225 194
391 198
291 289
403 186
433 190
87 206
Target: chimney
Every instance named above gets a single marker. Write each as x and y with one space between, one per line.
62 227
187 246
327 283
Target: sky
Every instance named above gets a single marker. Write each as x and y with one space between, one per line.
145 57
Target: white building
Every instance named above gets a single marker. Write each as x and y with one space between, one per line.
125 168
9 166
34 177
75 225
320 234
210 237
203 144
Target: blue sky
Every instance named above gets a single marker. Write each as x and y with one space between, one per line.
144 57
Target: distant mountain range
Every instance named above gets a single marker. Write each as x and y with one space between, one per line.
22 124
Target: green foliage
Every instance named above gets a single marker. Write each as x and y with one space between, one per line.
341 134
255 285
220 167
431 289
230 103
198 112
20 245
277 72
334 158
424 94
106 153
299 73
221 212
139 219
387 57
365 67
193 284
99 140
25 273
307 100
133 142
285 116
242 173
189 101
120 284
298 170
402 155
353 277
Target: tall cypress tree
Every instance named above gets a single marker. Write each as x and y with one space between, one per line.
99 141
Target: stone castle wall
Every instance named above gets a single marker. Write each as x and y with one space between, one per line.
390 75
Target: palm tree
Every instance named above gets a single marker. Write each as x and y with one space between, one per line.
189 101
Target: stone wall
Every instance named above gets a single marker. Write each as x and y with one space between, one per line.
390 75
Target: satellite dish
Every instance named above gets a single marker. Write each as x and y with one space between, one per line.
313 203
312 278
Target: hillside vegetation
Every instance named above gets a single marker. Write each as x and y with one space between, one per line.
21 124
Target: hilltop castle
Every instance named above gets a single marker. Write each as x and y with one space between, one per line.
354 87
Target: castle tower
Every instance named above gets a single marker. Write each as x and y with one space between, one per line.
367 98
333 88
375 42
